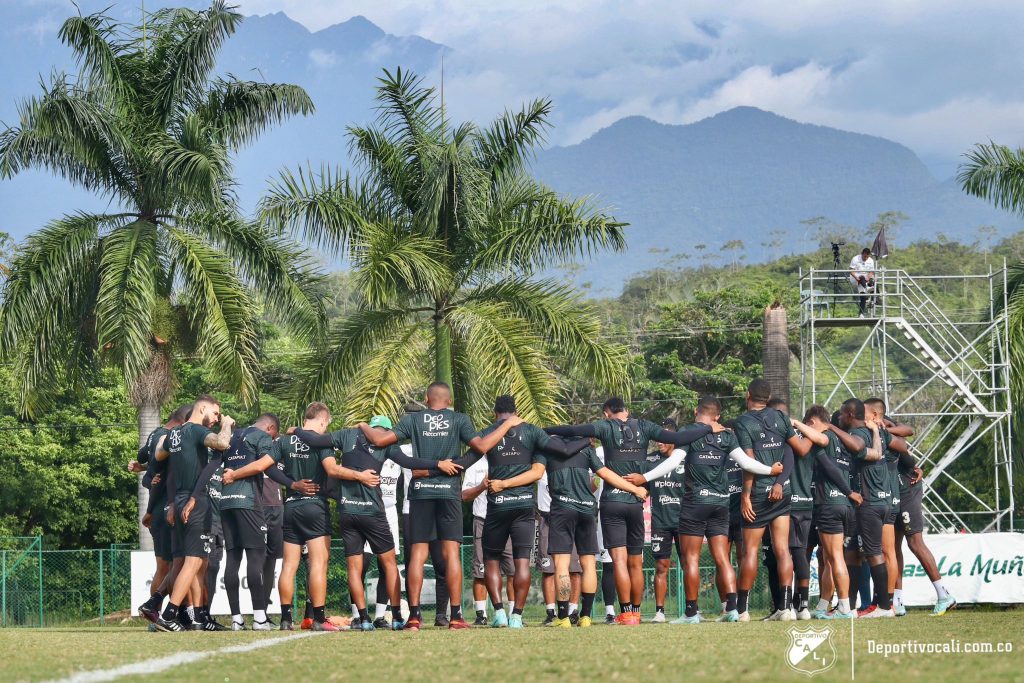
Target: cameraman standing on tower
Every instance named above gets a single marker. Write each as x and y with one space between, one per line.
862 276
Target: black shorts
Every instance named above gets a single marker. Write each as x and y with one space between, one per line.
912 511
434 519
358 530
243 528
305 521
192 539
799 527
765 511
892 515
500 526
735 529
508 567
870 520
700 519
836 519
571 532
541 557
160 530
661 543
274 517
216 534
622 524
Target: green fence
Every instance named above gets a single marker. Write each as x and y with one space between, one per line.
93 587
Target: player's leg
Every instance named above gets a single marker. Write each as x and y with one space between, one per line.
232 584
414 581
608 589
255 561
449 531
356 590
748 568
635 557
291 554
944 599
784 560
274 515
317 552
517 547
871 522
832 549
891 562
717 533
691 577
588 586
479 584
661 550
799 531
388 564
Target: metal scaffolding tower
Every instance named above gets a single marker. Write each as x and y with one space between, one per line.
945 372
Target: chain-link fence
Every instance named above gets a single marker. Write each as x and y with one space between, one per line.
93 587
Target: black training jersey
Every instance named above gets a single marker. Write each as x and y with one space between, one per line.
188 455
873 474
569 479
707 473
625 445
514 455
825 492
436 435
247 446
765 433
298 460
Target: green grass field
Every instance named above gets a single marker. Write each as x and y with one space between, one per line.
652 652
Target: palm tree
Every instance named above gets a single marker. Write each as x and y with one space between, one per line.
445 230
146 125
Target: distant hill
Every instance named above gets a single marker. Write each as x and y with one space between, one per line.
745 172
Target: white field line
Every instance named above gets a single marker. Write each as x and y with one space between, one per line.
154 666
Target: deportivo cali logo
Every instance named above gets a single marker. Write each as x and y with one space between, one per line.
811 651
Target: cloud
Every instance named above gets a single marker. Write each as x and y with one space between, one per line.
323 59
927 73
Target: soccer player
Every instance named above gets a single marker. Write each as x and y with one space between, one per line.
544 563
625 441
474 486
157 523
245 526
435 548
435 509
910 520
573 523
188 446
510 506
865 443
273 515
666 495
763 433
704 504
801 516
361 512
833 514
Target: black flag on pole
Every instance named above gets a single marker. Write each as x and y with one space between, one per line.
880 248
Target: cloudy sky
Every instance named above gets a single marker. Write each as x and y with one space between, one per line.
936 75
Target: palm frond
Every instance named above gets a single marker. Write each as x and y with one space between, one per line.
127 296
392 266
388 377
277 269
222 315
531 227
508 358
995 173
191 168
507 143
388 162
405 108
555 313
350 343
92 40
324 209
69 132
237 112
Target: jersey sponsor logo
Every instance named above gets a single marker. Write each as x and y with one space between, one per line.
666 484
836 493
430 485
713 494
498 500
545 562
175 438
298 445
569 500
883 494
810 651
435 425
668 500
797 498
358 503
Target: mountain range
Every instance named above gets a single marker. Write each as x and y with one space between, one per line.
743 174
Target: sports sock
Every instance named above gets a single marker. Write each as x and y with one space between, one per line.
456 612
237 618
202 616
804 596
190 611
940 590
379 610
573 607
625 607
259 615
286 612
550 607
414 612
320 614
517 609
308 614
854 571
844 605
364 614
724 604
563 609
897 597
480 606
609 610
741 601
170 612
659 608
587 608
730 602
891 600
396 614
498 606
691 608
880 577
785 598
823 605
355 612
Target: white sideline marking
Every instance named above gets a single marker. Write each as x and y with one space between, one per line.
153 666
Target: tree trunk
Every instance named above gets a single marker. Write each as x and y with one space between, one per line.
149 419
775 351
442 351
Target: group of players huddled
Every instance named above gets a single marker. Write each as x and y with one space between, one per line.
567 496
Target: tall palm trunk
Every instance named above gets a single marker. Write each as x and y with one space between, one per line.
148 393
775 351
149 419
442 350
